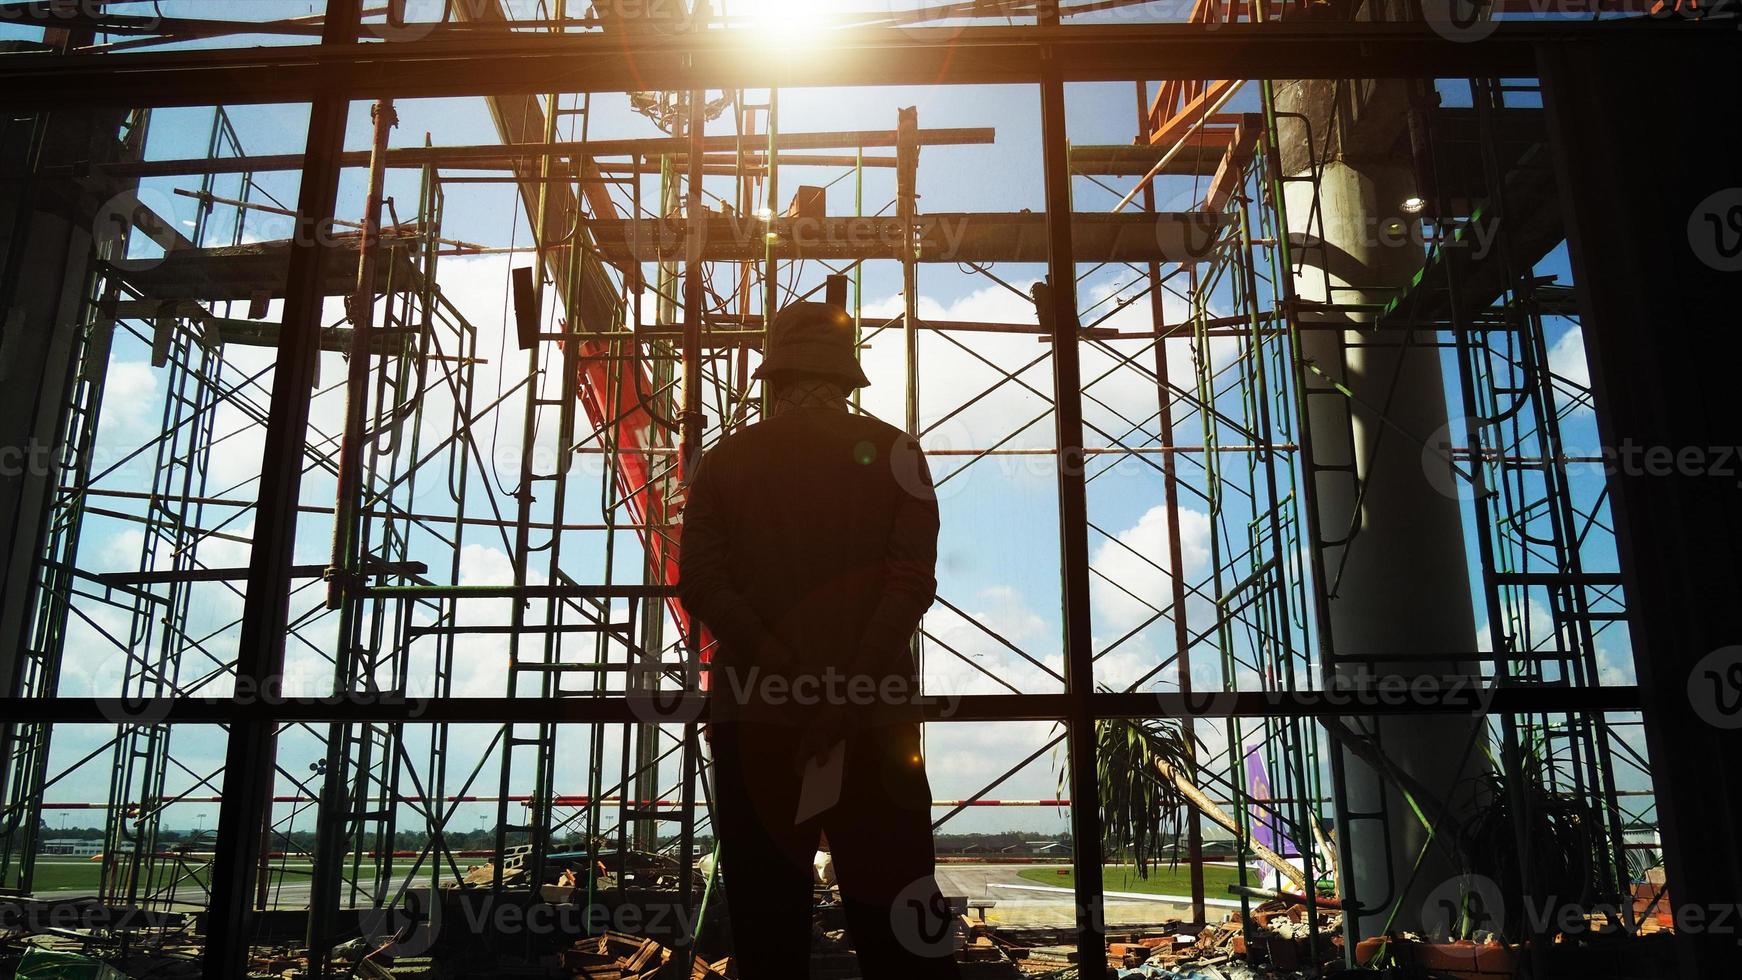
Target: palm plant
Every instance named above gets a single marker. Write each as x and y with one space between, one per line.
1141 807
1141 764
1566 858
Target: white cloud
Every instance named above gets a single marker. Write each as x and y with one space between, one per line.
480 664
962 758
131 383
118 552
1567 360
1536 632
981 661
132 409
1138 561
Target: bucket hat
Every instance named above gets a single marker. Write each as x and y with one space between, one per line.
812 338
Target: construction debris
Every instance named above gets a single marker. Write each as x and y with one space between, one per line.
615 956
1277 941
42 964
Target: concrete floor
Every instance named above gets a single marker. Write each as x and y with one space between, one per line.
1022 906
1020 903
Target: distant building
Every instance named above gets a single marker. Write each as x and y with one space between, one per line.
1038 848
83 848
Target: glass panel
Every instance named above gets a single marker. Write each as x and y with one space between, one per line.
148 293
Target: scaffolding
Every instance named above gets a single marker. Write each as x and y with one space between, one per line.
636 320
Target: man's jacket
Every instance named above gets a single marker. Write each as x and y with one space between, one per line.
809 550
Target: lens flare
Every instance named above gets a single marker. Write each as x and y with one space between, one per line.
777 21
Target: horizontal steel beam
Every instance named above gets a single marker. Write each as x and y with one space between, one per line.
389 707
173 576
869 56
491 156
942 237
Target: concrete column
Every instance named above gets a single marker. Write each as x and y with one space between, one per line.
1400 602
39 328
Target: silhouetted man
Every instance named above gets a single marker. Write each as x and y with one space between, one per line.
809 549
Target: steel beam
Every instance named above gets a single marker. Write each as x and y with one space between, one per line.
618 709
441 68
249 770
948 238
1057 308
505 156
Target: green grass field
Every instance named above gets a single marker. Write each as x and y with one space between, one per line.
60 873
55 873
65 874
1162 880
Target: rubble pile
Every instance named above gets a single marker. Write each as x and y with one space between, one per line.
831 952
1127 952
1286 938
1043 959
26 951
615 956
1277 941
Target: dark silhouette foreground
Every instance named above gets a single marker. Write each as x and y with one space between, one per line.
809 549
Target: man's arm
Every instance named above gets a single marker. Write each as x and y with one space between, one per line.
705 583
910 566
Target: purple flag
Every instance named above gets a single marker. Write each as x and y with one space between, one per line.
1262 816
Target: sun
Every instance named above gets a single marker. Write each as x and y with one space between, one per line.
778 20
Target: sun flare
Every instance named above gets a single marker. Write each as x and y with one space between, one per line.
781 21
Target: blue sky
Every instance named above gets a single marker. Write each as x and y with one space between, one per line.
998 554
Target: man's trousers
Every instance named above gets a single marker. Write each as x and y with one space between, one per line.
879 836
